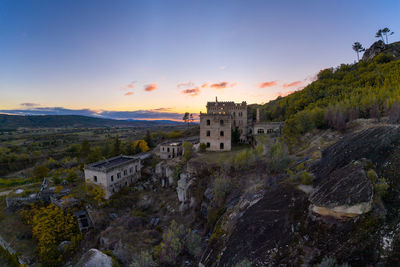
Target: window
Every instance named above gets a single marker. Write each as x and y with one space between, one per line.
208 122
221 122
208 133
136 168
221 146
208 144
260 131
95 178
163 148
221 133
119 175
130 170
167 149
125 172
112 178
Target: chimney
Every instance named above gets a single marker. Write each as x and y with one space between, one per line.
258 115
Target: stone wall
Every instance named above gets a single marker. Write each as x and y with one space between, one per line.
215 131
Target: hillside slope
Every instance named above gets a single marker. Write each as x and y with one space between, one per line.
50 121
368 89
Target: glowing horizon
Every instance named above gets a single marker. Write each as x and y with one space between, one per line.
153 56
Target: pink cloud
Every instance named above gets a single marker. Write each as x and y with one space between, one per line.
151 87
131 85
128 93
191 92
292 84
267 84
223 85
204 85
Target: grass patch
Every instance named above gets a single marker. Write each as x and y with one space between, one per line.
11 182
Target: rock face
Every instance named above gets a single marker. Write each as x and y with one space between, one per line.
266 225
346 192
95 258
374 143
375 49
379 47
184 184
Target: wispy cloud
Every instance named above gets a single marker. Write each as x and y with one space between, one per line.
128 93
222 85
204 85
268 84
293 84
131 85
185 84
29 104
222 67
151 87
192 91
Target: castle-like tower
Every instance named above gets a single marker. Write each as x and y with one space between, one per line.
216 124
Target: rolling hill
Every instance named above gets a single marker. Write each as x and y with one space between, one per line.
53 121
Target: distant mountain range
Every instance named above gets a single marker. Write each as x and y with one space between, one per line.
77 121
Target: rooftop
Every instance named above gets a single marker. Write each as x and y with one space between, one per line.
111 163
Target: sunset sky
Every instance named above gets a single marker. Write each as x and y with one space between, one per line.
157 59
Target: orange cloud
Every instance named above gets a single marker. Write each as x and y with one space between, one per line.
151 87
292 84
191 92
223 85
128 93
267 84
204 85
131 85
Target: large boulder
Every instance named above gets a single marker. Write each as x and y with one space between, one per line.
346 192
95 258
375 49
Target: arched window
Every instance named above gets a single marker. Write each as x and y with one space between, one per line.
221 122
208 133
208 122
221 146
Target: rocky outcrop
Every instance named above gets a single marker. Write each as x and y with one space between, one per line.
183 190
164 173
95 258
378 47
375 49
375 144
346 192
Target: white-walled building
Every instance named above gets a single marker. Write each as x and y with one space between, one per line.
171 150
114 173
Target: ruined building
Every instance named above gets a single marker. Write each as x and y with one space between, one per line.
114 173
221 118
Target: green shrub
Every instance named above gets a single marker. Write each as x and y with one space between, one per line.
138 213
306 178
244 263
144 259
222 187
203 147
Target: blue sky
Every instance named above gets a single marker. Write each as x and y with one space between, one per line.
102 55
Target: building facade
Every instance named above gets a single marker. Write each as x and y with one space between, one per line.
222 118
171 150
114 173
215 131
